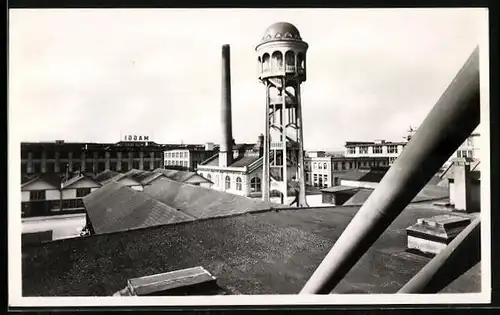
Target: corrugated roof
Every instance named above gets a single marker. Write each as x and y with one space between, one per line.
182 176
76 179
105 175
273 252
125 208
201 202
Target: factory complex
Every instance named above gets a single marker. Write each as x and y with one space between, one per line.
267 217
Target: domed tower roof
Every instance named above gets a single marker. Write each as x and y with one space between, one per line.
281 31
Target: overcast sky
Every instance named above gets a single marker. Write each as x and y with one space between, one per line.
94 75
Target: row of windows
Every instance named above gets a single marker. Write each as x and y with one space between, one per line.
320 180
39 195
89 155
255 182
176 155
464 153
88 167
176 163
375 149
343 165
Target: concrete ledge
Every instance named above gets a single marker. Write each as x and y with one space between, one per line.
169 283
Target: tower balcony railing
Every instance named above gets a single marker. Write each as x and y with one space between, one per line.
281 70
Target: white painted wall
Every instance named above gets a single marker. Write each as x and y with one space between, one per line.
25 196
52 195
69 193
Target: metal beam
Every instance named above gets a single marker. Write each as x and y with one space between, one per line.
447 126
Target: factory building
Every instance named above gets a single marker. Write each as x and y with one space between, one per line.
377 148
243 176
46 194
322 170
187 158
90 158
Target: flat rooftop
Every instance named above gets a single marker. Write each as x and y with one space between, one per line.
268 252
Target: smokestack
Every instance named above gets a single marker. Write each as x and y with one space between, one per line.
226 146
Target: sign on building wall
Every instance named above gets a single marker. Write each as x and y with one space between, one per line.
135 138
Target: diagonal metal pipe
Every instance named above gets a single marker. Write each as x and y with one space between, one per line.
446 127
459 256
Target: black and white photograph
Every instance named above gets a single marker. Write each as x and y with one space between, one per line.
248 156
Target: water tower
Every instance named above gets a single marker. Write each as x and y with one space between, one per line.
282 68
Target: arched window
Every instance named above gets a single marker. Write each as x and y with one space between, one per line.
259 65
265 62
201 174
325 166
209 177
228 182
238 183
320 166
255 184
290 60
315 165
300 60
277 60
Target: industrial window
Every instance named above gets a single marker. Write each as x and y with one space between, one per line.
351 150
228 182
238 184
37 195
255 184
89 167
135 164
392 149
363 150
377 149
72 204
82 192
